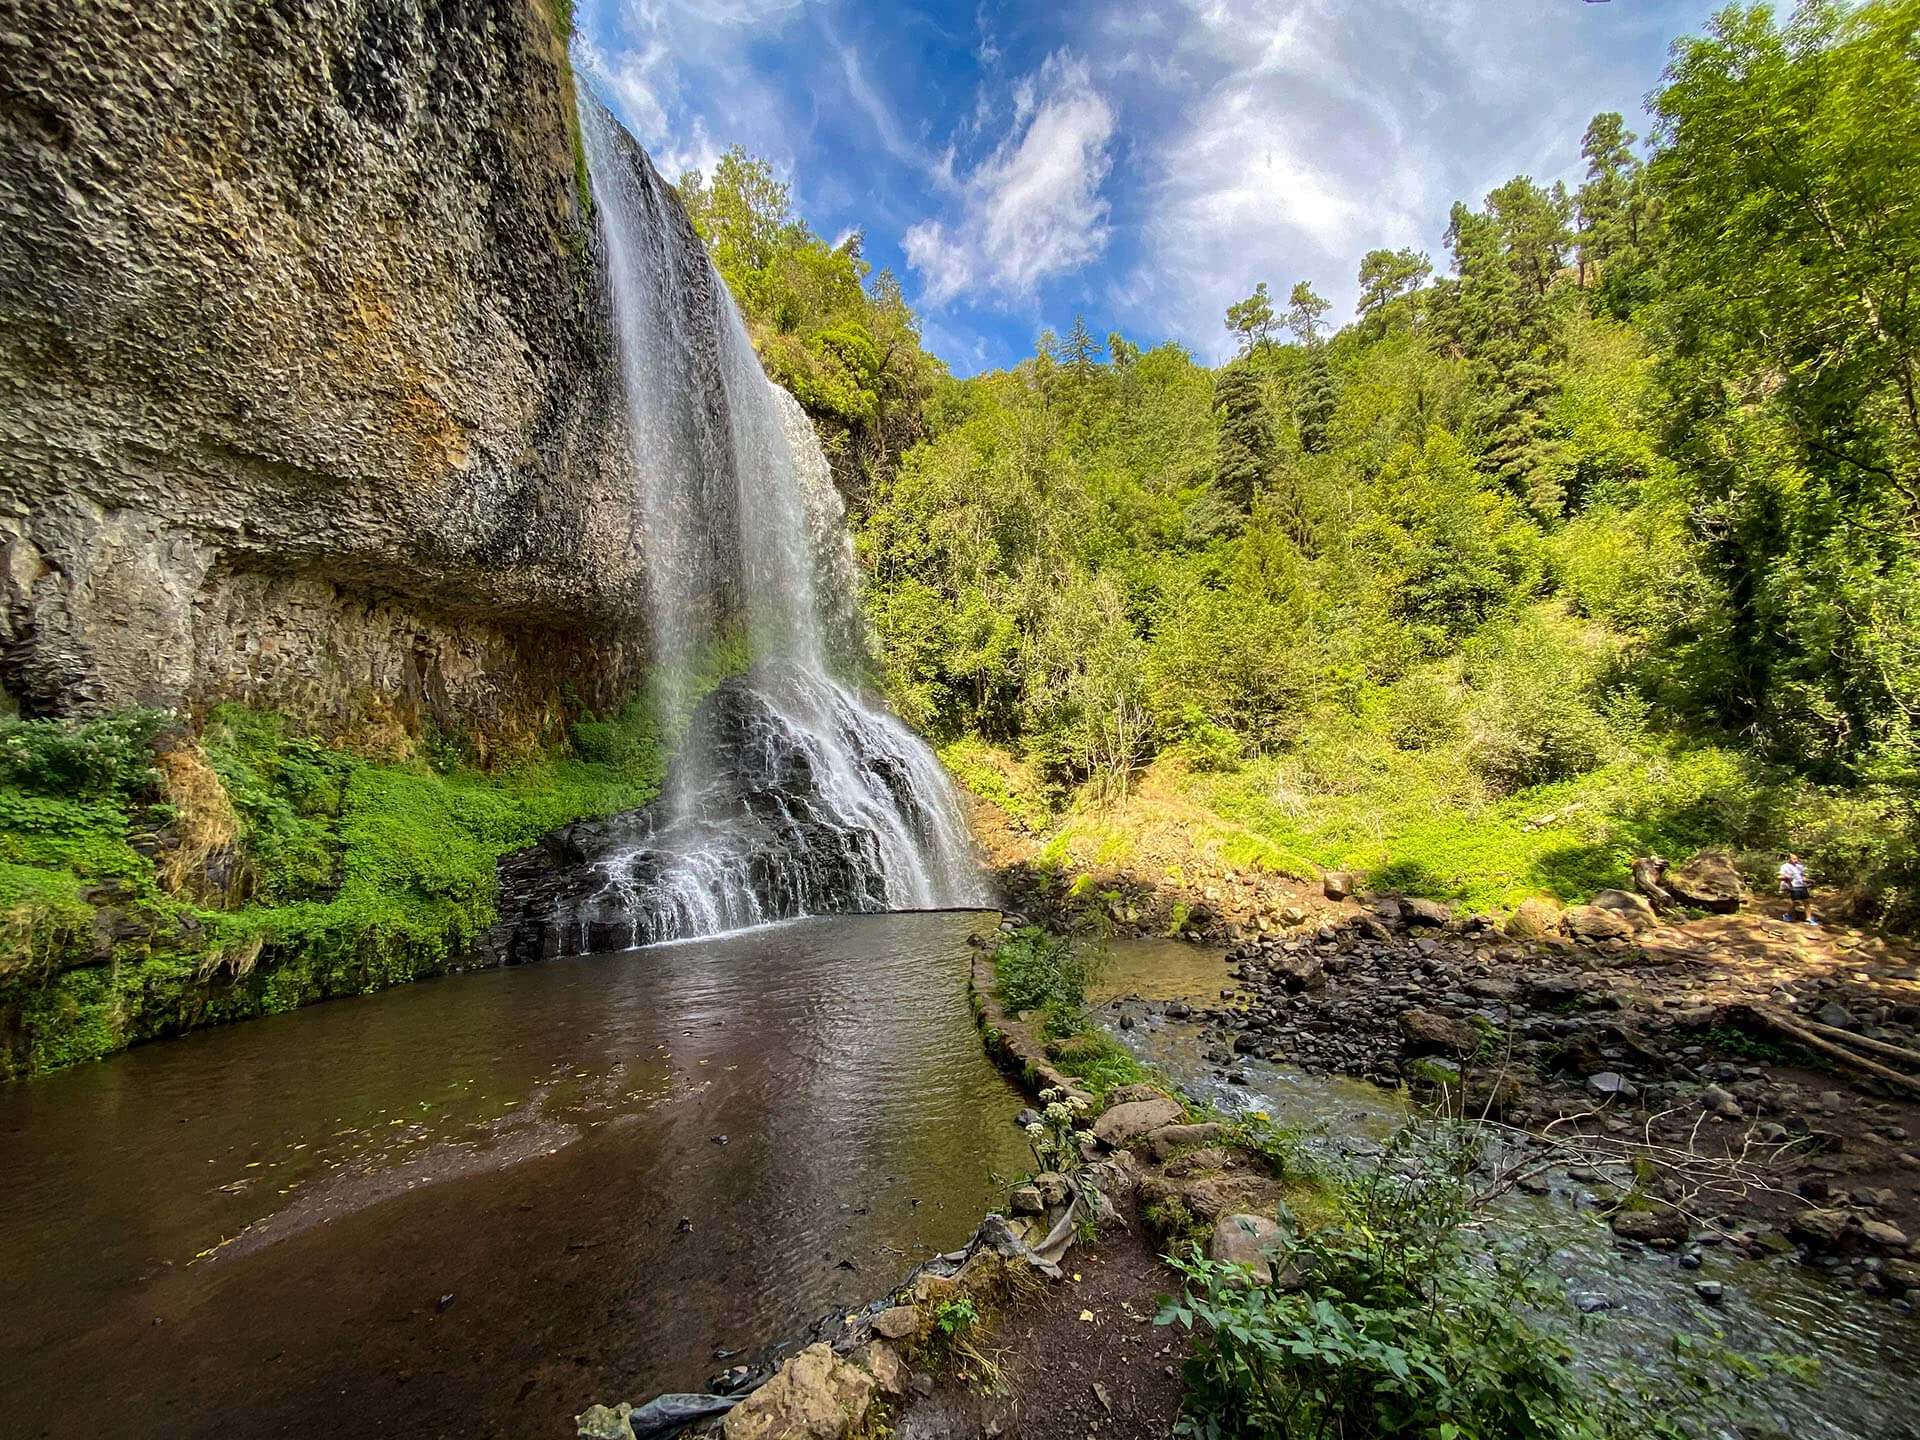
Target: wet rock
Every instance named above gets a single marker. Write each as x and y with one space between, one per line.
1711 1291
1709 882
1170 1139
1632 908
1591 1302
814 1396
1533 918
1590 922
1820 1229
897 1322
1428 1033
1247 1240
604 1422
1135 1119
1662 1222
1337 884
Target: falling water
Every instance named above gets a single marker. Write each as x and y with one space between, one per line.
791 792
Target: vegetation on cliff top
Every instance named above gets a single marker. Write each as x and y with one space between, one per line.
1603 542
153 880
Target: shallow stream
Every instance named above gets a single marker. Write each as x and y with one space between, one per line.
1868 1353
469 1206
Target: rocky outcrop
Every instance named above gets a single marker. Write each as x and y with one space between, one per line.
309 393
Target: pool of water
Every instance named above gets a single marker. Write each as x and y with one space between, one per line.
1868 1354
470 1206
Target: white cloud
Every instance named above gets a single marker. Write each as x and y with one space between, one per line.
1033 208
1284 138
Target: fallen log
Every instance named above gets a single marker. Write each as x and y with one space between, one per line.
1800 1035
1861 1042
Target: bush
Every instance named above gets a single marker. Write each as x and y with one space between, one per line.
1037 971
1421 714
1407 1324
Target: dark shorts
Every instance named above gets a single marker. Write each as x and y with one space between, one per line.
1799 892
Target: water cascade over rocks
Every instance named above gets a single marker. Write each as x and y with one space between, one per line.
791 792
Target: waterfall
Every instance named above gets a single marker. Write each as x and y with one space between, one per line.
792 792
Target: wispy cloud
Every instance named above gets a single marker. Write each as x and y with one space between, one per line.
1033 208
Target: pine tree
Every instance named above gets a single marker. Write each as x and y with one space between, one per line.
1314 400
1245 457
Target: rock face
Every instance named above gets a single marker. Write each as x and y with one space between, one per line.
310 396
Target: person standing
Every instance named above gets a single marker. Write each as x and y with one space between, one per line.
1793 885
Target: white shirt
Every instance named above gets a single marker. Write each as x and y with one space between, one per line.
1794 876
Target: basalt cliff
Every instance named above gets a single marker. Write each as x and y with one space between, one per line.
309 396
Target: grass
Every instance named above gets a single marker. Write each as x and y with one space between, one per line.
1047 976
153 881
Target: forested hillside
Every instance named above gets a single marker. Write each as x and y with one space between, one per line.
1593 536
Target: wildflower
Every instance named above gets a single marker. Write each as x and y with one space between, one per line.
1079 1104
1058 1114
1048 1096
1037 1130
1083 1137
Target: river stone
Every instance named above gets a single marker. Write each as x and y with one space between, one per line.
1709 882
1300 972
1421 911
1711 1291
1124 1124
1337 884
1428 1033
1247 1240
1168 1140
1821 1229
1660 1223
814 1396
1610 1085
604 1422
1128 1094
1904 1273
1590 922
1887 1237
1632 908
897 1322
1533 918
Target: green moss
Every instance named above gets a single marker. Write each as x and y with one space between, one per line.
349 875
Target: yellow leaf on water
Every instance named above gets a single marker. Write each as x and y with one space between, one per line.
1086 1314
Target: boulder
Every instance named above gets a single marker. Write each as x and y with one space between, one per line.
1135 1119
1708 882
1218 1195
1127 1094
1337 884
1887 1237
1205 1160
814 1396
1662 1222
1247 1240
897 1323
1820 1229
1427 912
889 1371
1634 909
1533 919
1428 1033
1300 972
1590 922
1547 991
1610 1086
1025 1200
1169 1140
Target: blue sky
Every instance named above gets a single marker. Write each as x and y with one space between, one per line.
1143 165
